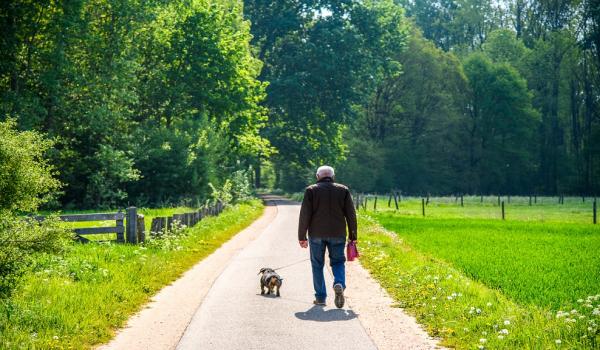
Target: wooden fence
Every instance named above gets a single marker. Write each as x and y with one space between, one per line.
130 226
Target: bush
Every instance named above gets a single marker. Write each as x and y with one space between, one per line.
241 189
20 240
26 179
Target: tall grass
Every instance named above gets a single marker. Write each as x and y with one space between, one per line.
77 300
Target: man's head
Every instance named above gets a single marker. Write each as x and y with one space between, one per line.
325 171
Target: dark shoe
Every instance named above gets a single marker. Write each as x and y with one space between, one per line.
319 302
339 295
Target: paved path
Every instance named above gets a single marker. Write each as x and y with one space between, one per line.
217 304
235 316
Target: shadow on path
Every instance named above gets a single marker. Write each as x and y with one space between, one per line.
319 314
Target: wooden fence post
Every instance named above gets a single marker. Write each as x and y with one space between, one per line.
427 201
121 235
390 201
357 201
141 229
502 210
396 200
423 205
461 200
529 200
594 210
509 198
131 225
481 199
365 203
375 204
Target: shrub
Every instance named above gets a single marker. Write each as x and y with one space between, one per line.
26 179
20 240
240 186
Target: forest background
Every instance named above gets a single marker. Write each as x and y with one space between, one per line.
155 102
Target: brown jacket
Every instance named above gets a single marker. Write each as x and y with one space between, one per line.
326 209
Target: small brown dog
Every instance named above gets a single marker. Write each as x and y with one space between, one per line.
270 280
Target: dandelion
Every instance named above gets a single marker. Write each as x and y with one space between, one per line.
506 322
482 340
557 341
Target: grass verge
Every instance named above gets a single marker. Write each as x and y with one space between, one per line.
464 312
77 300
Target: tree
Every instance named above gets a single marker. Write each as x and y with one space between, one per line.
500 127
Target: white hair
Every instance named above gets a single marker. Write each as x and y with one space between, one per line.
325 171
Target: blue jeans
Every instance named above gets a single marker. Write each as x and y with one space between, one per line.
335 246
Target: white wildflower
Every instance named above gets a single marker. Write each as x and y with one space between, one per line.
573 312
580 300
506 322
55 337
557 341
504 331
482 340
478 311
484 333
488 304
500 337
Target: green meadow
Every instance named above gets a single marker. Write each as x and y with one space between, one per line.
531 281
78 299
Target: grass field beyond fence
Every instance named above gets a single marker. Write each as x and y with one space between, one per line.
546 209
79 299
529 282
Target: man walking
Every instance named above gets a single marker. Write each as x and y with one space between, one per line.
326 210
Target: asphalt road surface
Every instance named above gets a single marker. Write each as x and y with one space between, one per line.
234 315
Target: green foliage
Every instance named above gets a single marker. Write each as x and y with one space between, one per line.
77 300
465 305
26 178
147 101
21 242
106 185
321 59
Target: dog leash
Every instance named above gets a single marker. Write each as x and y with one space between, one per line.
292 264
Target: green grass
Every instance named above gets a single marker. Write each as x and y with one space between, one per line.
77 300
445 267
547 209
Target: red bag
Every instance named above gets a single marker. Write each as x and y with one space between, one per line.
352 251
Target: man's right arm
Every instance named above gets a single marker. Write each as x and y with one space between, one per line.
350 214
305 215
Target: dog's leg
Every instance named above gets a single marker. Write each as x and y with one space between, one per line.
278 292
262 289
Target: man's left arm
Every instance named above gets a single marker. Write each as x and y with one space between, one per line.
350 215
